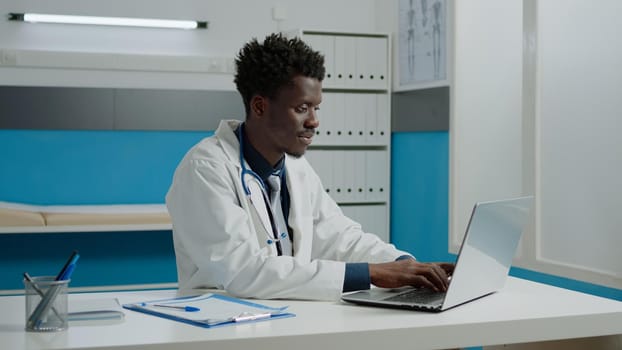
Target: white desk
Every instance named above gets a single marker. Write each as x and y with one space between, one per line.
522 312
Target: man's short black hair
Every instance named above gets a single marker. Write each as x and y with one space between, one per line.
263 69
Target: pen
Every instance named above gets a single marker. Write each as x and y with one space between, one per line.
178 307
67 270
243 317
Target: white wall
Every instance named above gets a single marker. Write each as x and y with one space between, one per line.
579 123
231 24
485 126
536 110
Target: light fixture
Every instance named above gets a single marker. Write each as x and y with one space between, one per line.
108 21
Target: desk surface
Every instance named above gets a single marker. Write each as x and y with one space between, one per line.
523 311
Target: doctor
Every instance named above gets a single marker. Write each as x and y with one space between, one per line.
232 227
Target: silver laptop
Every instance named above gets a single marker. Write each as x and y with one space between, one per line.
482 267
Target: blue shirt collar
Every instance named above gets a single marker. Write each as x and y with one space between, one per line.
256 161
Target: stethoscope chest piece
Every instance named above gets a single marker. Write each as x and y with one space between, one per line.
283 235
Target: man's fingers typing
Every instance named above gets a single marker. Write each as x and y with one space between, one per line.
410 272
435 275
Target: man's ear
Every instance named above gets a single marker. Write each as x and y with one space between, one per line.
258 105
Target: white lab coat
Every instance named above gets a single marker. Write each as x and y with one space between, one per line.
220 241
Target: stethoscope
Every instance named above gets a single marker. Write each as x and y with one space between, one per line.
249 175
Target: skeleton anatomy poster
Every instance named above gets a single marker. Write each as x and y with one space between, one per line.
422 41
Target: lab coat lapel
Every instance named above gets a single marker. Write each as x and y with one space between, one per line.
260 229
231 148
259 212
300 223
230 144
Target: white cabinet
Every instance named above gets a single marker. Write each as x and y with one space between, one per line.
351 148
353 61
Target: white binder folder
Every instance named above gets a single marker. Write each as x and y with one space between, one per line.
321 162
377 180
383 119
345 58
338 160
360 176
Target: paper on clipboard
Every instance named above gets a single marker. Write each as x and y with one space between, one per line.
213 310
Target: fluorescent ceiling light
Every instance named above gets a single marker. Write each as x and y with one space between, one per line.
108 21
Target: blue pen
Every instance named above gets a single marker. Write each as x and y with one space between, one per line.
67 270
178 307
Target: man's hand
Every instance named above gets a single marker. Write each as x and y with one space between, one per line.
410 272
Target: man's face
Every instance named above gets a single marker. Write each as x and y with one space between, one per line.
292 116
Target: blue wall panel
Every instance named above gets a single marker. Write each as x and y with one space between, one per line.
419 194
90 167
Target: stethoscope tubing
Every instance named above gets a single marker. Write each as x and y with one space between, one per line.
245 171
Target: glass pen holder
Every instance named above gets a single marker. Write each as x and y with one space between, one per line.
46 304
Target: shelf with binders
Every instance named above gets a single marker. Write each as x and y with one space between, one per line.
351 148
358 179
353 119
352 175
355 61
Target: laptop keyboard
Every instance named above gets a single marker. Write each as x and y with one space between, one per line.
418 296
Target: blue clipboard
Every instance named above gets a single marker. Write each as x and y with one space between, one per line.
209 310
